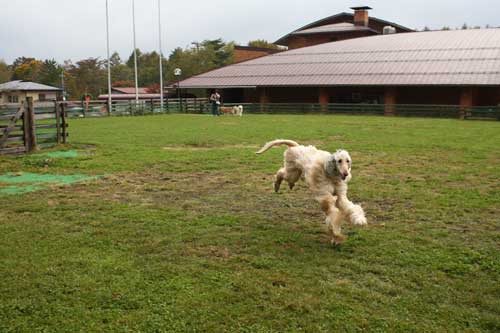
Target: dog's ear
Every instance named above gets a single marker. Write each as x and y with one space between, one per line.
331 165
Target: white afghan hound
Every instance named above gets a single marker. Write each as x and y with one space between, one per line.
327 176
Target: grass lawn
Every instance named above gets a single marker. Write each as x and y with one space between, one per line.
182 231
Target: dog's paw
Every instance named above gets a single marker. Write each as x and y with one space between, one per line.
338 240
359 220
358 216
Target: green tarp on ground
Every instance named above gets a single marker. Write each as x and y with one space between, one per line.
29 182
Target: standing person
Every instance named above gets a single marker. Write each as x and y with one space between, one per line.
215 101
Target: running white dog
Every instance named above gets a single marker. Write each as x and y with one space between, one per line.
326 175
234 110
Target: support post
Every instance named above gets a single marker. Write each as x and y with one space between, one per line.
263 98
466 101
389 101
324 98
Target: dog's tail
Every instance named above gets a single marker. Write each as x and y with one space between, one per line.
278 142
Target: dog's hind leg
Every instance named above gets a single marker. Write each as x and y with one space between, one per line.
333 217
280 175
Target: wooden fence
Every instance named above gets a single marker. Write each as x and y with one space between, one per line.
79 109
27 127
201 106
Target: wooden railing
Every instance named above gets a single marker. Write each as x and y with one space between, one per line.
201 106
26 127
78 109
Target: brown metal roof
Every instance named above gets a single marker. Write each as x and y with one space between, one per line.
129 96
130 90
457 57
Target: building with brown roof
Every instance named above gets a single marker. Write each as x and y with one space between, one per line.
338 27
459 67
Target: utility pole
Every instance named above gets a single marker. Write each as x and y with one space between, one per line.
161 57
109 59
135 56
62 85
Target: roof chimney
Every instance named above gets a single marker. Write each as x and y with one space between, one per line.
388 30
361 15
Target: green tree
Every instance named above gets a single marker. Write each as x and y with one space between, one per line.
115 59
263 43
121 74
130 61
27 69
202 57
5 72
50 73
87 76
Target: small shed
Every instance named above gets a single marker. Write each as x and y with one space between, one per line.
16 91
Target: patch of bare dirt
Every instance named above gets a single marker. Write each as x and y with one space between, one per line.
202 193
203 148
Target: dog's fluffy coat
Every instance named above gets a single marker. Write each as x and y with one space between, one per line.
326 175
234 110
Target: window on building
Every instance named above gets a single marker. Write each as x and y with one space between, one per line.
13 99
41 97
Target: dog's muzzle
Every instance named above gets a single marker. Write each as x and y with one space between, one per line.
344 176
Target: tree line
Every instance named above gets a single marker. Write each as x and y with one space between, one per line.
89 76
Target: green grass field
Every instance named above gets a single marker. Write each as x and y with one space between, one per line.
182 231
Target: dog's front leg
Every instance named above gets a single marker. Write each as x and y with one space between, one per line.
355 213
333 216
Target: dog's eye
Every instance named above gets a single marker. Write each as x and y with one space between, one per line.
340 161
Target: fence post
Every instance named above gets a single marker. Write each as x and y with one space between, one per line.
26 138
58 121
29 112
64 125
85 106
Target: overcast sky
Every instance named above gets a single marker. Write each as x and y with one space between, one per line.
75 29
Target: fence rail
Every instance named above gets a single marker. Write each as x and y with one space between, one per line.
201 106
402 110
132 108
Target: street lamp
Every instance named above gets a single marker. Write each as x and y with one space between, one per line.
178 73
